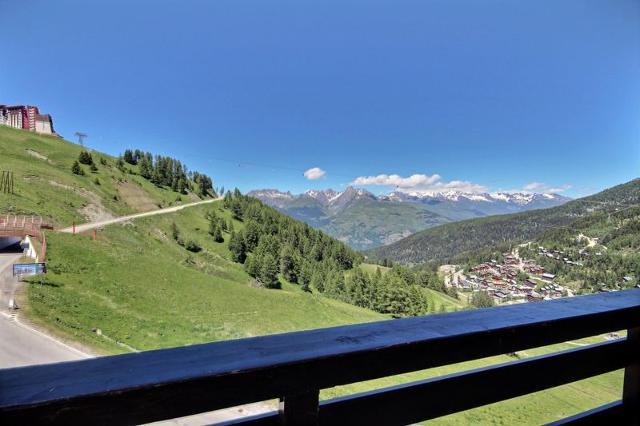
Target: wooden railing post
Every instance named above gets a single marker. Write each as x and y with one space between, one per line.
300 409
631 388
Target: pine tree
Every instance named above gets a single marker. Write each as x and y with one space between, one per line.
128 157
227 200
269 272
217 234
237 248
147 166
213 221
236 209
317 281
305 274
288 264
252 266
251 235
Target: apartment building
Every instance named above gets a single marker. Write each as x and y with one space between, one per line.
26 117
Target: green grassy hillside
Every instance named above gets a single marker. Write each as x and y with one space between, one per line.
141 288
44 184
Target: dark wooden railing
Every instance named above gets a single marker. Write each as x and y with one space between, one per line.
164 384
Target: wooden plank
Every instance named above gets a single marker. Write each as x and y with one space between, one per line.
155 385
631 387
427 399
265 419
608 414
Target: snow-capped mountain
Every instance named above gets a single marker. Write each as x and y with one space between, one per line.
335 201
364 220
338 201
461 205
273 197
518 198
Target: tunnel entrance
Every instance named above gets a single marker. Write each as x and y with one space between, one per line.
10 245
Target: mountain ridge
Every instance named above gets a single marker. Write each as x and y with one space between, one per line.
364 220
327 196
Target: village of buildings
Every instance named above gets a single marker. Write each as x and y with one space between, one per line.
503 281
26 117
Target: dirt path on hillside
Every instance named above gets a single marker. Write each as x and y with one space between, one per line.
99 224
591 242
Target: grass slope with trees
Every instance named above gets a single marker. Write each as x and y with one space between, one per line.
101 185
139 286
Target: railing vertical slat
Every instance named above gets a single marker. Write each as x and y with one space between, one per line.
301 409
631 388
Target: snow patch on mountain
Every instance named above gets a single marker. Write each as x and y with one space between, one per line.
271 193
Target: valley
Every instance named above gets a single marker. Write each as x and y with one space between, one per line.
363 220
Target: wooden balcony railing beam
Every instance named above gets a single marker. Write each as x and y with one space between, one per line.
169 383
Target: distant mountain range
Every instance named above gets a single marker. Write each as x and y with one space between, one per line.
455 242
364 220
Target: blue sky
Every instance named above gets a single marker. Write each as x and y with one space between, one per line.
463 94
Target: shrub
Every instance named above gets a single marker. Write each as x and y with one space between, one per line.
76 169
85 157
482 299
192 246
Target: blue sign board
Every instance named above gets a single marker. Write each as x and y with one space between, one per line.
21 269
